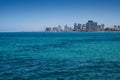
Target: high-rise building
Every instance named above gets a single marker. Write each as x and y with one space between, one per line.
59 28
95 26
89 25
83 27
102 27
79 28
115 26
99 28
48 29
65 28
55 29
119 26
75 27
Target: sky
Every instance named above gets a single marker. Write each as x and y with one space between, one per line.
35 15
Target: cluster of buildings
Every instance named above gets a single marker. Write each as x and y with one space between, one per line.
114 28
90 26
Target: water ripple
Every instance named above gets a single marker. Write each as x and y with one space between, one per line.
64 69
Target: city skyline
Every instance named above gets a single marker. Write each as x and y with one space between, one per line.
90 26
35 15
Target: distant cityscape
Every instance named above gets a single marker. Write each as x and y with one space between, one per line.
90 26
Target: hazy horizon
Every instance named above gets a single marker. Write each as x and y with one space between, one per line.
35 15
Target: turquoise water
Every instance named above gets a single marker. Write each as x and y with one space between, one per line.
59 56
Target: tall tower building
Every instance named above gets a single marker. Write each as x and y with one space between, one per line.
48 29
89 25
83 27
59 28
95 26
79 28
75 27
65 28
55 29
102 27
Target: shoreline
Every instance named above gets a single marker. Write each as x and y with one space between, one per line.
56 32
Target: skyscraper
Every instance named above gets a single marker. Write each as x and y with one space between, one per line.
55 29
95 26
102 27
83 27
59 28
79 27
75 27
89 25
118 27
48 29
66 28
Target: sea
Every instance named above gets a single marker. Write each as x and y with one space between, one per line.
59 56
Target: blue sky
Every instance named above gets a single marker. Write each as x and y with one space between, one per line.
35 15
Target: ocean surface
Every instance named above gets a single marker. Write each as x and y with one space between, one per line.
60 56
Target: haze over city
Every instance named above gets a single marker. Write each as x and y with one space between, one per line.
35 15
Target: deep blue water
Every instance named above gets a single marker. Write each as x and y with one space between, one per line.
59 56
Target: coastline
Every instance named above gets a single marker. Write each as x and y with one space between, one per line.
56 32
